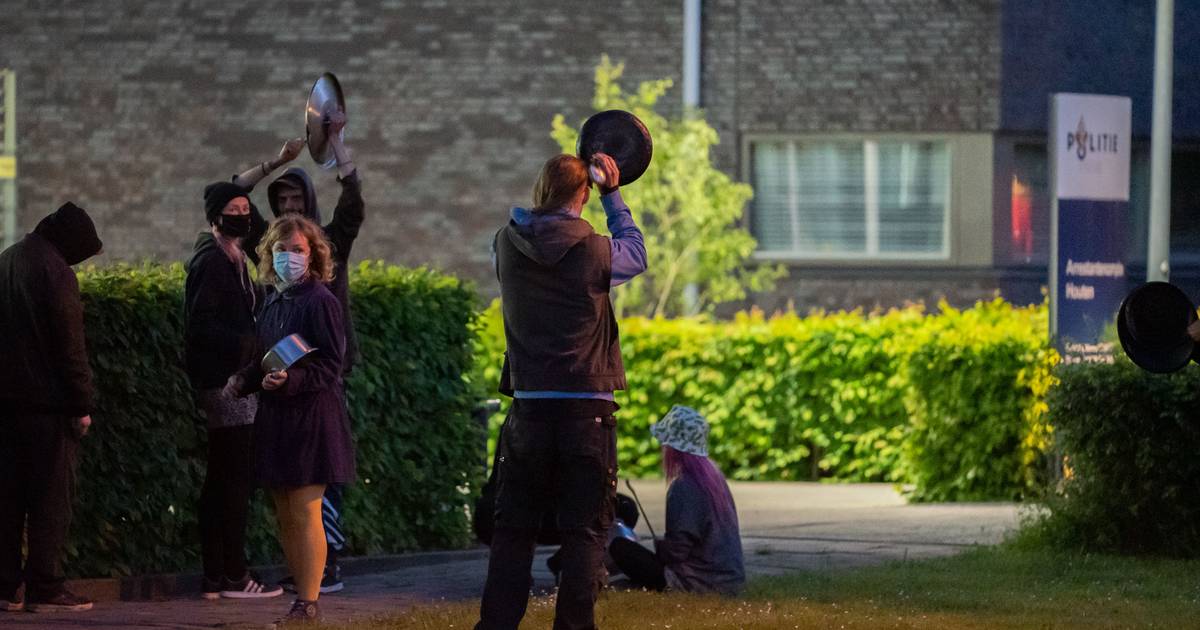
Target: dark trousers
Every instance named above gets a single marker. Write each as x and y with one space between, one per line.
331 519
331 508
38 457
561 455
638 563
225 502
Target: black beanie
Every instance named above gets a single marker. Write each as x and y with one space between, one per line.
216 195
72 232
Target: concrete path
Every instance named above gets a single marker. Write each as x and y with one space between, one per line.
786 527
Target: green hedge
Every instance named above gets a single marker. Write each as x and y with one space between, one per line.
977 383
410 399
952 402
1130 442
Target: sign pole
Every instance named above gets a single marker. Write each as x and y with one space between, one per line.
8 160
1158 252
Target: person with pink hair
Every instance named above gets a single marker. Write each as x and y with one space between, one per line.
701 550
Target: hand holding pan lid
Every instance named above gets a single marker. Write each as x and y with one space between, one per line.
622 136
1152 325
326 98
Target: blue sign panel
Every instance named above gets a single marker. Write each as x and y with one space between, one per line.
1091 276
1089 140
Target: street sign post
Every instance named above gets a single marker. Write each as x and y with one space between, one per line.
8 158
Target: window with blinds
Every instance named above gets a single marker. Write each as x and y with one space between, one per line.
851 198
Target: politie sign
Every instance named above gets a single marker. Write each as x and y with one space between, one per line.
1089 141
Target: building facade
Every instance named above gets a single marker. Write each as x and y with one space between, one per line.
896 147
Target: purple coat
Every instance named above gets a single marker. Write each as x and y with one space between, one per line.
302 430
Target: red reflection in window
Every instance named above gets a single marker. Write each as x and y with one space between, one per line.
1022 218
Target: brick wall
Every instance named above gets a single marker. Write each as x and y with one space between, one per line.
852 66
130 108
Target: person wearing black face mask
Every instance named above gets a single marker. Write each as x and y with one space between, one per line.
220 302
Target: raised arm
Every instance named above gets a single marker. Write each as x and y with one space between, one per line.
345 164
628 244
350 212
251 176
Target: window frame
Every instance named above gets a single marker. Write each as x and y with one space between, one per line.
945 256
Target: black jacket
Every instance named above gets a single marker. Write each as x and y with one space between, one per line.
218 315
559 326
43 354
341 231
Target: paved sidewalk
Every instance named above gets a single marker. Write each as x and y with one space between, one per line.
786 527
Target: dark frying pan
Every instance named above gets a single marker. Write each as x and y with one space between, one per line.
622 136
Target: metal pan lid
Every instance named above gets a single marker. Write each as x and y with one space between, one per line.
325 98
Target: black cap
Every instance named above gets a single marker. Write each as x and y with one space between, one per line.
217 195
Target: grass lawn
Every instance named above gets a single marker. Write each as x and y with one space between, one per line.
985 588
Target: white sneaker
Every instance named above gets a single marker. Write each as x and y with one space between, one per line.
249 588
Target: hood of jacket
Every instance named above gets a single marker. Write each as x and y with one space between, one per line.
71 231
296 177
547 236
205 243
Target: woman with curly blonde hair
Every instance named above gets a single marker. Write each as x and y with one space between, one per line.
302 432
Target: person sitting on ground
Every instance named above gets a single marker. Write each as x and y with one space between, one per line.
701 550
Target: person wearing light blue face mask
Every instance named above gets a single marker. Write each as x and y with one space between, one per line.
290 267
302 439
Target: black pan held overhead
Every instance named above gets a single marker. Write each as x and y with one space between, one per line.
622 136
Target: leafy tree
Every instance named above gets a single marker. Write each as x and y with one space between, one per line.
687 209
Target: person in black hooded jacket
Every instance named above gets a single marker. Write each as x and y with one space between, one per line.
293 192
220 301
46 401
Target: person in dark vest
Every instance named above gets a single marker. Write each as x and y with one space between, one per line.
46 402
220 302
293 192
561 366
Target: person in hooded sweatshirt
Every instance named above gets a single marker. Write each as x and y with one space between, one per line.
220 301
561 366
46 402
293 192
